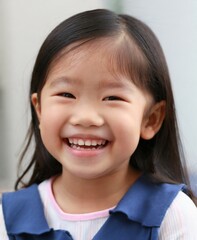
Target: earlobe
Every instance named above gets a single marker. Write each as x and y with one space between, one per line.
36 104
153 121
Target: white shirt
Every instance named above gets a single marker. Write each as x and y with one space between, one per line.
180 221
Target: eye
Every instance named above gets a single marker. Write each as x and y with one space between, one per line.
112 98
66 95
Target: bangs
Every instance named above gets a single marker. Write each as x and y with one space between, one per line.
121 57
127 59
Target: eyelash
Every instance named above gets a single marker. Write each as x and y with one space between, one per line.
109 98
66 95
113 98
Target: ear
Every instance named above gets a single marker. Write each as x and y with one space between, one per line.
153 120
36 104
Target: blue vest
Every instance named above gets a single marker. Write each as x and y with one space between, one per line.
137 216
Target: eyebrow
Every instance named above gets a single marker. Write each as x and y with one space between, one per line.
116 83
113 84
62 81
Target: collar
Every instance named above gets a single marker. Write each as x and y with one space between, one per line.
23 212
142 203
146 202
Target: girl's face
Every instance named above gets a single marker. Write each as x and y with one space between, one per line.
91 119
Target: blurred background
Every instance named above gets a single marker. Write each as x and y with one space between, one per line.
25 24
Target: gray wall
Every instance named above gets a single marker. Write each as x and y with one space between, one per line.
23 27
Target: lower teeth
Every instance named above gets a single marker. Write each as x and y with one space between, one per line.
83 147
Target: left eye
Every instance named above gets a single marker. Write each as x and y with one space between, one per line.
66 95
112 98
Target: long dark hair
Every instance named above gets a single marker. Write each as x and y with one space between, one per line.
161 156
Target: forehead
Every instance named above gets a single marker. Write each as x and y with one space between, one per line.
90 61
102 61
118 56
100 51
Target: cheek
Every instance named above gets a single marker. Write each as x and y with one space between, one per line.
50 114
127 123
49 131
127 130
50 123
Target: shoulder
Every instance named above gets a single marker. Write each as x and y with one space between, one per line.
146 198
180 221
23 211
18 203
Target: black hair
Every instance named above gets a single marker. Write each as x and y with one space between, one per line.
141 56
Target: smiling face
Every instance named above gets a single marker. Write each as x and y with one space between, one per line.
91 118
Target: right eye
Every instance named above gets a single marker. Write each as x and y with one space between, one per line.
66 95
112 98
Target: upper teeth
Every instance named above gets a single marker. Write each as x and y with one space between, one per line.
86 142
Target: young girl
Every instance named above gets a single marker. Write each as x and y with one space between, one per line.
107 161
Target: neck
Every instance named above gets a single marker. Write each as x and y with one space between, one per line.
77 195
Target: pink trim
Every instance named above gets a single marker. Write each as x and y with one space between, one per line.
74 217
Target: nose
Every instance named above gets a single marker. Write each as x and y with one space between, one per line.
86 116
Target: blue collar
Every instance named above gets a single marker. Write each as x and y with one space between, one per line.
23 212
145 202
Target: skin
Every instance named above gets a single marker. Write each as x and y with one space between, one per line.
83 102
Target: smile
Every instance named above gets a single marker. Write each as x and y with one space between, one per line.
86 144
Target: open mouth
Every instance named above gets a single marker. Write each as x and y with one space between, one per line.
86 144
